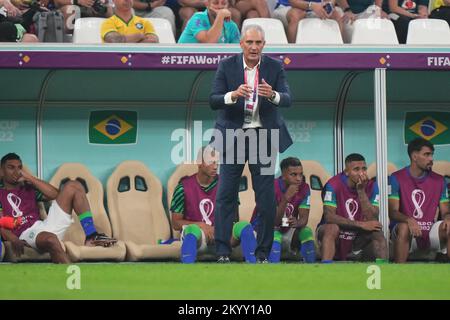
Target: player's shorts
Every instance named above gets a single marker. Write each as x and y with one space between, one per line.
435 243
57 222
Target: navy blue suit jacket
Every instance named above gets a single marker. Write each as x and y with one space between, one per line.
230 75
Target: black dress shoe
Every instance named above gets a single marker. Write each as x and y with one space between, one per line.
223 259
262 260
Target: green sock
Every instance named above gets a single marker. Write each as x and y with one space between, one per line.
277 236
193 229
305 234
237 229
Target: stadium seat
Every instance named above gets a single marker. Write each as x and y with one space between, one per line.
372 169
316 175
163 30
246 195
182 170
87 30
75 237
442 167
273 28
428 31
137 214
318 31
374 31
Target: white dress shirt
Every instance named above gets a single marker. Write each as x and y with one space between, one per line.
251 73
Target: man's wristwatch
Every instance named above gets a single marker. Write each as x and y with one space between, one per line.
272 97
309 5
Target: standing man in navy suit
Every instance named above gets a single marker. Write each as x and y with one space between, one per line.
247 92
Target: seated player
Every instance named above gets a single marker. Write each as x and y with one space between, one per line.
192 210
416 195
19 194
350 223
291 233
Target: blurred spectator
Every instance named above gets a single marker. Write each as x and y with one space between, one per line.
154 9
124 26
14 23
403 11
248 9
358 9
441 10
214 25
188 8
10 9
290 12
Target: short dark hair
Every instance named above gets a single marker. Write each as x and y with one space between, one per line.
9 156
417 144
290 162
354 157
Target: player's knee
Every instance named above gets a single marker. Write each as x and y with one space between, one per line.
378 236
403 231
305 234
73 186
442 232
194 230
331 230
238 227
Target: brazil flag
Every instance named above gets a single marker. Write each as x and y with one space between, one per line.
113 127
431 125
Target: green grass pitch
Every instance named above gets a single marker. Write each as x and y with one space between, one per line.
234 281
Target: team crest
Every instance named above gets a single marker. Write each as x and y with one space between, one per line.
139 26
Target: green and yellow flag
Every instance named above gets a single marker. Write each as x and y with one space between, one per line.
431 125
113 127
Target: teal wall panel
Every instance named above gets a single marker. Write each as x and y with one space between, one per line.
406 91
23 85
65 137
120 85
18 133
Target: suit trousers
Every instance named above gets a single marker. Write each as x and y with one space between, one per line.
261 159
